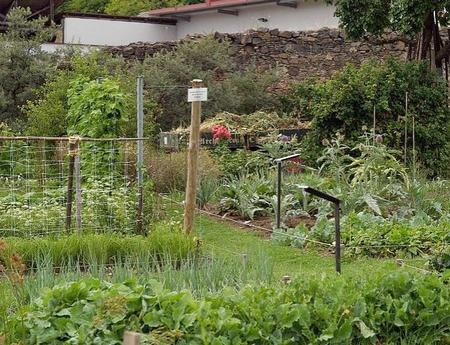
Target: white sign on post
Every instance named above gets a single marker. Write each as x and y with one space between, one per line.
198 94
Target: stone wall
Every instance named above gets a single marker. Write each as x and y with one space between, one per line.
300 54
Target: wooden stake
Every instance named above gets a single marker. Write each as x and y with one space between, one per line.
192 168
72 153
131 338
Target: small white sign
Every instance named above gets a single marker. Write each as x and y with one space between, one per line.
198 94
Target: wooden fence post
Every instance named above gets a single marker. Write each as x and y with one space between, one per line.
192 163
78 197
72 153
131 338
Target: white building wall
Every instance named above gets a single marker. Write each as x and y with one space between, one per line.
309 15
63 49
91 31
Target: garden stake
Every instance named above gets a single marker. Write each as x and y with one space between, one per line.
337 224
337 220
279 195
406 126
279 177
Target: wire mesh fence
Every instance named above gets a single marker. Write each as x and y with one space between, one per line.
55 185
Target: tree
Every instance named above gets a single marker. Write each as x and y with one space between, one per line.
346 102
418 21
86 6
23 64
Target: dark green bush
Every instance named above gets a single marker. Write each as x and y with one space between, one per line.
396 309
346 103
24 66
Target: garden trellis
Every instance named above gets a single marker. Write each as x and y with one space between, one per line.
54 185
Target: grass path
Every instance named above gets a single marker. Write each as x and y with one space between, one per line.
223 239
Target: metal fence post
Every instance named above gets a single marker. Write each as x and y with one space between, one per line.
140 154
72 153
279 173
337 220
77 168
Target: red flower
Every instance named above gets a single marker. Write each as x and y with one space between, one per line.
220 133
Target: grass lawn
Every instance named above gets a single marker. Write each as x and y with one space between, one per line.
223 239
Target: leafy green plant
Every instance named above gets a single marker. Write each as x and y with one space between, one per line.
246 195
440 261
206 191
386 309
47 114
96 108
371 235
294 237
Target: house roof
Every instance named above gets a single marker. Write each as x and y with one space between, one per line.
210 5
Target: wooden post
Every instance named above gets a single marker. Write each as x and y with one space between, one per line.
77 169
192 171
52 11
131 338
72 153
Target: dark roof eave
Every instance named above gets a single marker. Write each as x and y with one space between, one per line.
152 20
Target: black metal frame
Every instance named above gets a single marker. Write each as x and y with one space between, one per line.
337 207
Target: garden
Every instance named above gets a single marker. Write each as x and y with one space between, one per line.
92 243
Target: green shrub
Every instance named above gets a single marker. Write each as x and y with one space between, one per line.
167 74
47 115
96 108
346 104
398 308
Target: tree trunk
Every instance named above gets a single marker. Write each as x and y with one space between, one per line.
425 38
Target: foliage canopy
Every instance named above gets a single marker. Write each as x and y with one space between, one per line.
418 20
346 104
121 7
